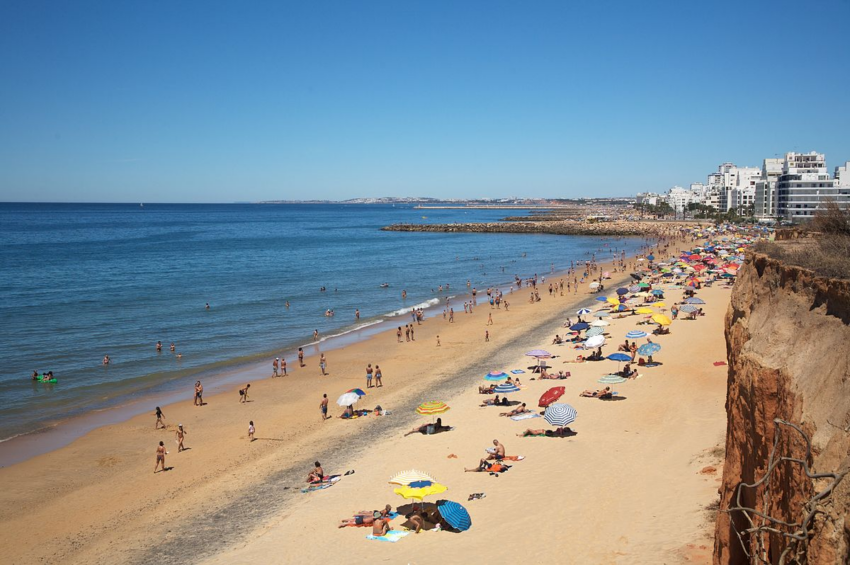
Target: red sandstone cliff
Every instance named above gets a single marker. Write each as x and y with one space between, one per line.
788 344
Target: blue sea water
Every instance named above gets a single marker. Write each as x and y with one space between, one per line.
79 281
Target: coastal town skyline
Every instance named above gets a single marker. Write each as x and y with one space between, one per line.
136 103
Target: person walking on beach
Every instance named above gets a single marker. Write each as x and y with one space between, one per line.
275 365
283 366
243 393
378 376
323 406
438 341
160 457
369 372
451 315
199 394
406 332
251 431
322 364
181 433
486 336
490 319
159 417
398 335
300 356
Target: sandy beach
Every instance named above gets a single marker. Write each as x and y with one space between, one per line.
628 487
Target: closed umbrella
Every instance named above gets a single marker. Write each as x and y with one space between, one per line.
455 515
635 334
560 415
551 396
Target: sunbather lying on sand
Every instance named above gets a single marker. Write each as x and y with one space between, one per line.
518 410
491 401
558 432
596 393
436 428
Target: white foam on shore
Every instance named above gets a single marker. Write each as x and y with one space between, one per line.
407 309
354 329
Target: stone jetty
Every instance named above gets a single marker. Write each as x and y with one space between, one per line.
556 227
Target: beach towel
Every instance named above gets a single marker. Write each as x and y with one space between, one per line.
513 457
391 536
517 371
524 416
719 363
328 482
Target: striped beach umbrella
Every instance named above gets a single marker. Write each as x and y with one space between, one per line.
406 477
357 391
583 311
495 376
694 300
594 331
560 415
454 515
505 388
649 349
433 407
599 323
688 308
635 334
612 380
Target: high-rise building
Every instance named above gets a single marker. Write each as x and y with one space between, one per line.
804 187
765 197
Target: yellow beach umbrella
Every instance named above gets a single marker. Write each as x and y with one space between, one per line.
612 300
643 310
658 305
432 407
662 319
418 493
406 477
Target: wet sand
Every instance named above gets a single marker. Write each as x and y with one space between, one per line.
230 500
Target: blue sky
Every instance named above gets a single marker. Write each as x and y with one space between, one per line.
179 101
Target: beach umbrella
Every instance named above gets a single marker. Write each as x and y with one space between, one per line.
454 515
426 488
595 331
539 353
657 292
583 311
505 388
612 300
348 399
622 291
406 477
579 326
643 285
601 299
594 342
636 276
662 320
551 396
634 288
644 310
694 300
432 407
358 391
688 308
649 349
560 415
495 376
612 380
602 314
635 334
658 305
594 284
651 257
619 357
599 323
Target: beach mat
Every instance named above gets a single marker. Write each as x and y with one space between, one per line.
719 363
327 483
524 416
517 372
391 536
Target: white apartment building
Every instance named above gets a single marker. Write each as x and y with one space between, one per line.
765 197
732 187
648 198
678 198
804 186
842 176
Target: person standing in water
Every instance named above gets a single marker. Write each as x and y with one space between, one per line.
283 366
275 365
159 417
158 346
356 314
106 359
315 335
181 433
301 356
160 457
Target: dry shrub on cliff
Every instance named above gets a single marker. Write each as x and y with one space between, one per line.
827 254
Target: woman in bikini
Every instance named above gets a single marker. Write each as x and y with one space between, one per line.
160 457
181 433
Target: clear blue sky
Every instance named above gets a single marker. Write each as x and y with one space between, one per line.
179 101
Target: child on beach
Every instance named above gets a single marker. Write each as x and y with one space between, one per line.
159 416
251 430
181 433
243 393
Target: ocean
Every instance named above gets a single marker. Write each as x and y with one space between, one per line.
80 281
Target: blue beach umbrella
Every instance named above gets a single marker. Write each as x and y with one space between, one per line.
635 334
657 292
583 311
649 349
694 300
505 388
651 257
496 376
622 291
688 308
620 357
601 299
580 326
454 515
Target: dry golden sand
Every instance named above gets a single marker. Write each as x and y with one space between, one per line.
626 489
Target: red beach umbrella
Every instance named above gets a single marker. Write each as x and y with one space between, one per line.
551 396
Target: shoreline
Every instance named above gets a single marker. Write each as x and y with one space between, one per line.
60 433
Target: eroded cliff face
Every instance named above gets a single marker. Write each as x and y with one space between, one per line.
788 347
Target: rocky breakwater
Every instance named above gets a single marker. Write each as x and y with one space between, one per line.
788 344
616 228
